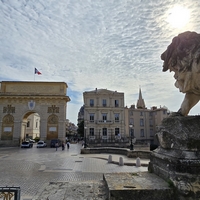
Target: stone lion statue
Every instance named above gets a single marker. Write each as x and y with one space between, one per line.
183 58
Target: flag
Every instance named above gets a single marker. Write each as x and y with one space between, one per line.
37 72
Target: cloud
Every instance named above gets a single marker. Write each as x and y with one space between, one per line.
93 44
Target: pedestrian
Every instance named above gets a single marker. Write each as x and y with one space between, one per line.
63 146
83 142
56 145
68 144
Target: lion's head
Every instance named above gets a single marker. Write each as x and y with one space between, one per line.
183 57
182 52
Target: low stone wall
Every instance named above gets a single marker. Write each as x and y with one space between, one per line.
122 151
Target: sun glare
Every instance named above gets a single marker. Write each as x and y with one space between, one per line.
178 16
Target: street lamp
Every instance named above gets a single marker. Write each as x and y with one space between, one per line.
85 145
131 146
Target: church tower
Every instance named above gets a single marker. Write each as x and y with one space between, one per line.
140 102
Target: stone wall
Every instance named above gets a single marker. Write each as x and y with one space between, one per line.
121 151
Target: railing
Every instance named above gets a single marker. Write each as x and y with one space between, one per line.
98 139
104 121
10 193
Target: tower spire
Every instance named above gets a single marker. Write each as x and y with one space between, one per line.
140 102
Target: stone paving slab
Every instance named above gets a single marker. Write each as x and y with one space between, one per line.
33 169
140 185
88 190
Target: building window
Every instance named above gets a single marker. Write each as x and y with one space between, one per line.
28 124
141 113
116 103
141 132
164 112
131 121
104 116
131 113
151 132
151 114
116 131
141 122
104 102
104 131
91 102
36 124
91 117
91 131
151 122
116 117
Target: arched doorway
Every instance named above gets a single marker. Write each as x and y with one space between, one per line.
30 126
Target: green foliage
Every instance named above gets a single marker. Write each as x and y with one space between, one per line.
170 183
80 129
37 139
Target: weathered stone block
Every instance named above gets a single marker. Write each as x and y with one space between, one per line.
178 157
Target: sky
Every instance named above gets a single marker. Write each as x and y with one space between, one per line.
104 44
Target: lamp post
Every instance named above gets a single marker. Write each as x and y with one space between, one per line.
85 145
131 146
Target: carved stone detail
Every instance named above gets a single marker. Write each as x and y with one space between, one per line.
53 109
9 109
53 119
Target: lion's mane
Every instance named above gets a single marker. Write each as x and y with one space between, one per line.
182 52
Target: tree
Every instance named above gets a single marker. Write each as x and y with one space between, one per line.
80 129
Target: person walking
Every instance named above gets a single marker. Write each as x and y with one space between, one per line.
63 146
68 144
56 145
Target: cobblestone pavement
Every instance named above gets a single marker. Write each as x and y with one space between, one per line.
35 169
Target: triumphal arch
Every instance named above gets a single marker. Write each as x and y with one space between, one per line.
19 99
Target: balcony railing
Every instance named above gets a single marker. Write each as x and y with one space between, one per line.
104 121
105 139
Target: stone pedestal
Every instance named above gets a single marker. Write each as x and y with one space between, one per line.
177 159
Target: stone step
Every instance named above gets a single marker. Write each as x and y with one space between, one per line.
141 185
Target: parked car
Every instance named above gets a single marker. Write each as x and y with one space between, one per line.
26 144
41 144
54 141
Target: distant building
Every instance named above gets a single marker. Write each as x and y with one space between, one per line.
104 116
33 126
143 122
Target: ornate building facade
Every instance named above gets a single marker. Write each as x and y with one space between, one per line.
143 122
104 117
18 100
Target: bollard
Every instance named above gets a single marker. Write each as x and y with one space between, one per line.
109 158
138 164
121 162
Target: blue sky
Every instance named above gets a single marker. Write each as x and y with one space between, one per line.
96 44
